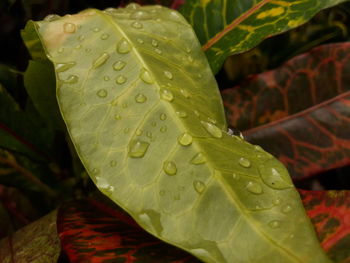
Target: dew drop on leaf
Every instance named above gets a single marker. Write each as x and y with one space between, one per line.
212 129
61 67
121 79
235 176
244 162
161 192
102 93
275 175
286 209
137 149
146 76
104 36
198 158
163 129
124 105
185 139
199 186
138 132
78 46
140 40
140 15
140 98
169 168
158 51
113 163
117 117
119 65
81 37
69 27
51 17
185 93
162 116
254 187
123 46
168 74
100 60
274 224
95 171
181 114
106 78
137 25
154 43
101 182
72 79
167 95
149 134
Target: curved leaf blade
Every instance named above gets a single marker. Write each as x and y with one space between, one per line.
231 27
154 139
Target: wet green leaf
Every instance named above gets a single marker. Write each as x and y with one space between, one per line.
146 118
230 27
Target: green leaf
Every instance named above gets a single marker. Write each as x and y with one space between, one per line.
146 118
230 27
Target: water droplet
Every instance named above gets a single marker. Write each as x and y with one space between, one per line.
181 114
235 176
69 27
96 29
126 130
113 163
81 37
153 123
95 171
138 132
78 46
137 25
158 51
120 79
286 209
174 16
161 192
277 201
133 6
199 186
104 36
123 46
275 175
196 113
162 116
185 139
101 182
169 168
140 98
212 129
190 59
199 75
185 93
168 74
102 93
275 224
142 15
254 187
137 149
100 60
119 65
72 79
244 162
51 17
149 134
117 117
146 76
106 78
167 95
140 40
61 67
154 43
198 159
163 129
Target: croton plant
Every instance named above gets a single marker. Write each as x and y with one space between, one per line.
131 93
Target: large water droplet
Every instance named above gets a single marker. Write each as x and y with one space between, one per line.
199 186
146 76
141 15
244 162
212 129
137 25
102 93
120 79
101 182
61 67
274 224
286 209
69 27
104 36
154 43
167 95
185 139
169 168
140 98
162 116
100 60
72 79
168 74
254 187
137 149
198 159
119 65
123 46
274 174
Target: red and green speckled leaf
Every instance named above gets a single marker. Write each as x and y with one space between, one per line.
35 243
229 27
330 214
91 231
303 107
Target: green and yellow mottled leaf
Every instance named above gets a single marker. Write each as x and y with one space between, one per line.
228 27
146 118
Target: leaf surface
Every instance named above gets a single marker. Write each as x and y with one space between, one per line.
229 27
329 212
309 93
90 231
146 118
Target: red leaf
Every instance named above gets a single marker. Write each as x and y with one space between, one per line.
300 112
330 214
93 232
